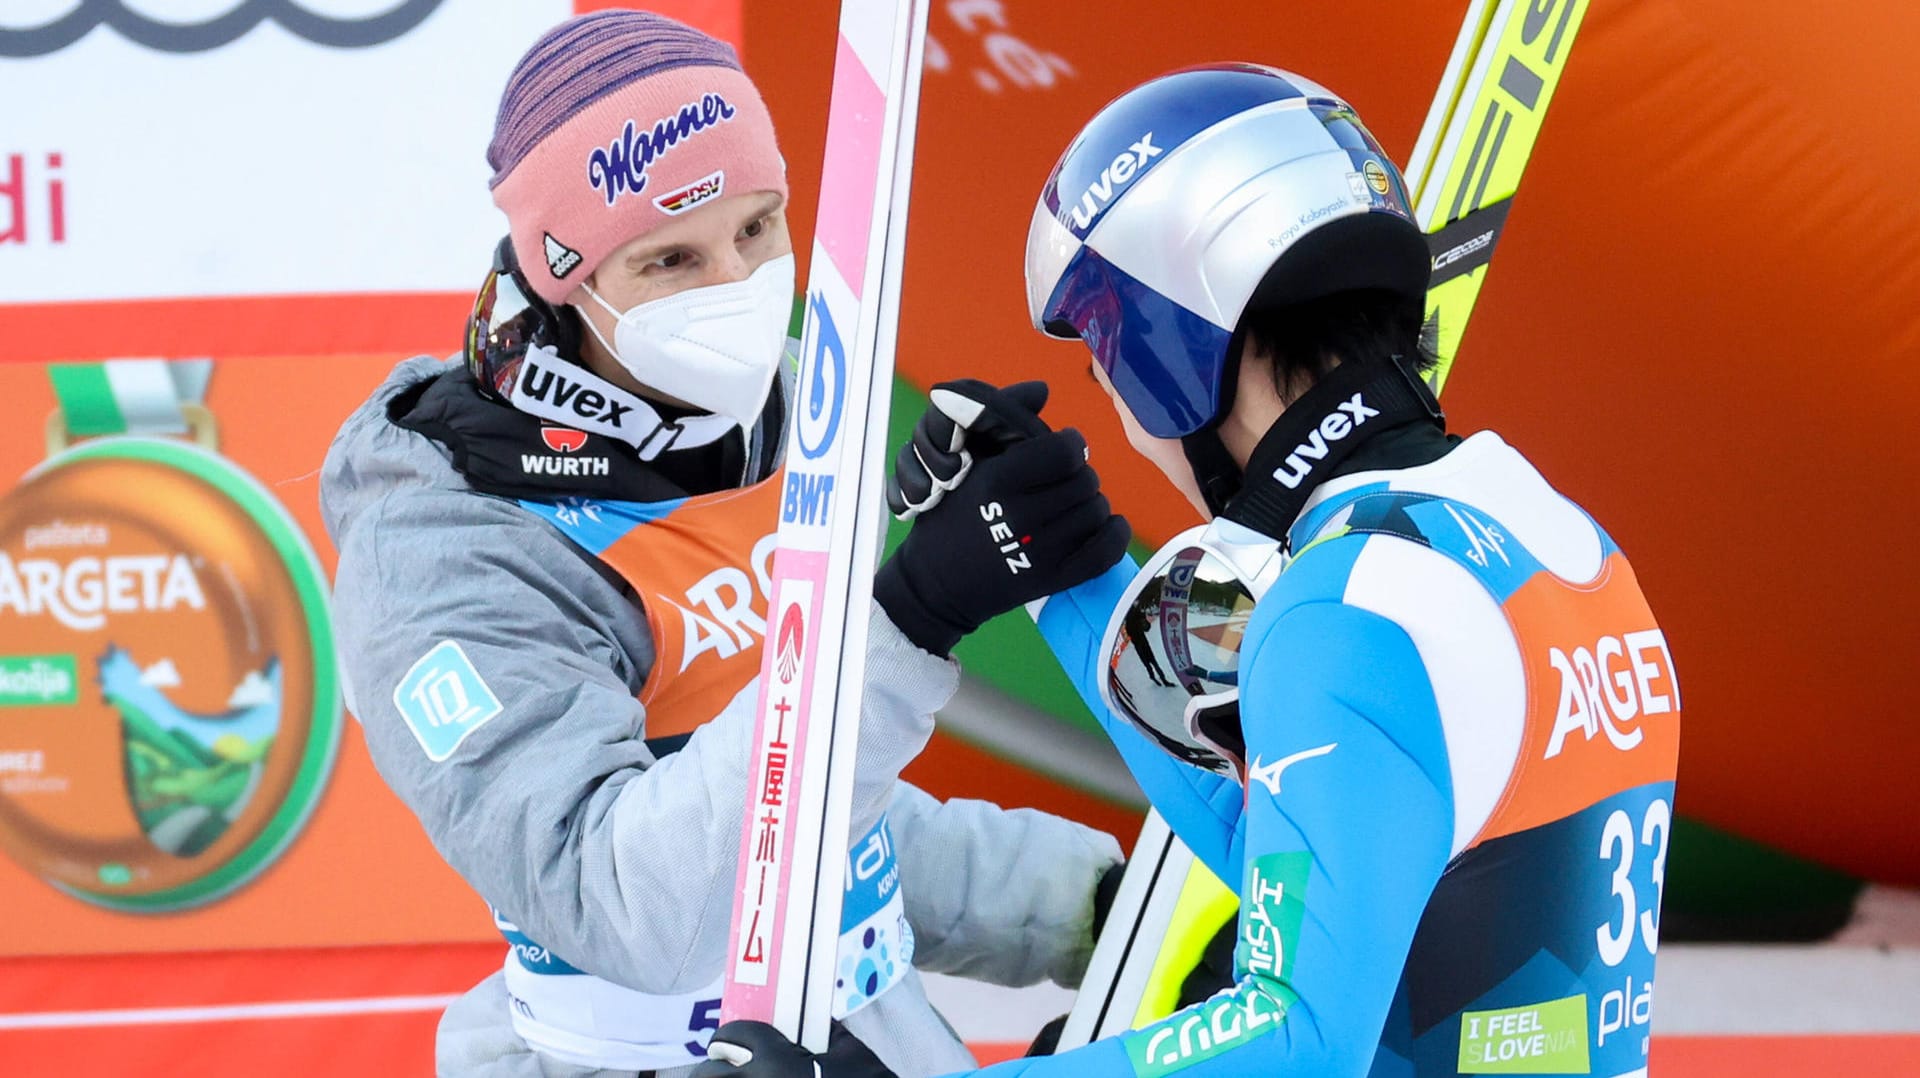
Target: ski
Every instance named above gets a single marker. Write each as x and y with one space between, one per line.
1481 152
1464 170
783 941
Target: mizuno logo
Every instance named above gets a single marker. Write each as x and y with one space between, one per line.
1268 775
1112 178
1337 425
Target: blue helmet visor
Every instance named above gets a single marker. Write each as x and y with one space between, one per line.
1133 332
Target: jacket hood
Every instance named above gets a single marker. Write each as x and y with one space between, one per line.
370 456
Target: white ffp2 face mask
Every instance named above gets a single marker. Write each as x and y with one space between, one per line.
716 347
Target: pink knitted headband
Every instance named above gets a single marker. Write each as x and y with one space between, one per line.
587 160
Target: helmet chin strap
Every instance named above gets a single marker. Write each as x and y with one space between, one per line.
1214 470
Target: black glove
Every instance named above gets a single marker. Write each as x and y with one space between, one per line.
1027 522
965 419
757 1050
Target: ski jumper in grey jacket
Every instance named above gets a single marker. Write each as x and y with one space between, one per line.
498 668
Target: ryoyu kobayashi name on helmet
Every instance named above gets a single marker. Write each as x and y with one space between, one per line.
564 441
1335 426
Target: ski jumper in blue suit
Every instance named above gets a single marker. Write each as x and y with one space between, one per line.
1461 725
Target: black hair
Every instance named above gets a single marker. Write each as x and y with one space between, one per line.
1307 339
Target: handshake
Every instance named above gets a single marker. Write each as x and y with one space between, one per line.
1005 510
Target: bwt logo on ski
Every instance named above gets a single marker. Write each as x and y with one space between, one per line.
823 380
1605 688
1115 176
808 498
1337 425
675 203
620 167
1002 535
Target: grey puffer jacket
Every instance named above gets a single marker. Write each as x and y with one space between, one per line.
557 813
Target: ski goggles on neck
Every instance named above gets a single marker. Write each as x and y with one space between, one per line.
1172 648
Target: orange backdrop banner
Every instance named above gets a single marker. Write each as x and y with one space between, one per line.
1700 324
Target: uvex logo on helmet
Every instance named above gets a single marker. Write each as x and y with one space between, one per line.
1337 425
1112 178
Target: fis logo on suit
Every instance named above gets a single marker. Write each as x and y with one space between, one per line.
300 19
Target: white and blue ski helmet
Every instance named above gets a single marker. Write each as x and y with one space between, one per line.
1190 199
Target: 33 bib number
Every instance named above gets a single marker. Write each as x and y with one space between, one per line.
1617 845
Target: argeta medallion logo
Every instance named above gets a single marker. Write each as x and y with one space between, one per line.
167 675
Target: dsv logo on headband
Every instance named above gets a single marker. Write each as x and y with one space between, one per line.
333 32
620 167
